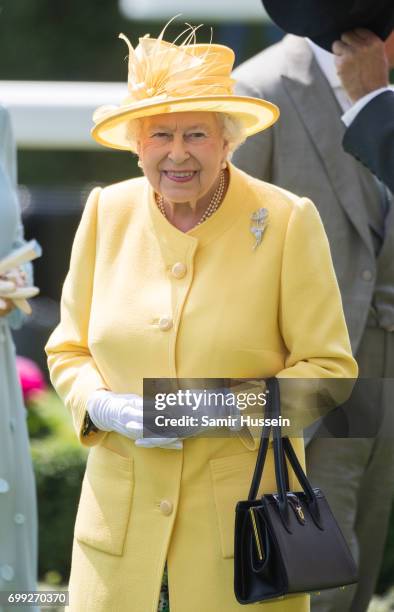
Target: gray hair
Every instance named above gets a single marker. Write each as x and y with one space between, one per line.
233 131
232 128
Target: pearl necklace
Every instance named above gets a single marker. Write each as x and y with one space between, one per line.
213 205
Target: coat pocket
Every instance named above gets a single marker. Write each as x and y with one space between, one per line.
105 503
231 478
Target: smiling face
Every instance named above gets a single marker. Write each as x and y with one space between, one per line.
182 154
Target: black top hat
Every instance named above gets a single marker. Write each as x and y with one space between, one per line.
324 21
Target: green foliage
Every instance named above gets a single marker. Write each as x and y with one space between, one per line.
71 40
59 464
65 168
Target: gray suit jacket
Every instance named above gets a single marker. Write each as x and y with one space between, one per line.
303 153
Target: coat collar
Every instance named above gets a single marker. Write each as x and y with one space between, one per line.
319 110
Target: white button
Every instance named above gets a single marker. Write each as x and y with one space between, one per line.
165 323
19 518
178 270
7 572
4 486
166 507
367 275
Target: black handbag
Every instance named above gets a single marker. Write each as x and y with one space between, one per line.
286 542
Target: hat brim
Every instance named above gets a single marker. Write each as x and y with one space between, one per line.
382 27
326 21
255 115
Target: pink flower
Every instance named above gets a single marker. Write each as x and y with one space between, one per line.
31 378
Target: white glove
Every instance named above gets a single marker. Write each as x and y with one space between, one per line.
112 411
123 413
212 404
173 443
220 410
225 402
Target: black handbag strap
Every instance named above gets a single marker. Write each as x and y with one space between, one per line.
271 406
282 447
258 469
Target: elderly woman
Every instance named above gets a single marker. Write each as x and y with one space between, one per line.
194 270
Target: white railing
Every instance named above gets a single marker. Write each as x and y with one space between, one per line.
205 11
56 115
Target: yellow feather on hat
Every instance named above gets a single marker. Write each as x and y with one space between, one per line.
159 68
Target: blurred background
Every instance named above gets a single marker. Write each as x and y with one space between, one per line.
59 60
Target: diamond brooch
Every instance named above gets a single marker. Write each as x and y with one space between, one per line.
258 223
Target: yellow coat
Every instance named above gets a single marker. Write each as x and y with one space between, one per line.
236 312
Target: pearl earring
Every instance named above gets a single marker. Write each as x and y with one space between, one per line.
139 163
224 165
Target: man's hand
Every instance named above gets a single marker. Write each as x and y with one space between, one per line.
361 62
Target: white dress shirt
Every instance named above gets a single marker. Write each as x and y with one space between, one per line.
326 61
348 117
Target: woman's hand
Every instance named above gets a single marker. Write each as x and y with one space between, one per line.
6 306
10 281
7 286
17 276
123 413
14 279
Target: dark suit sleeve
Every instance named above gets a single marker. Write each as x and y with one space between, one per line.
370 137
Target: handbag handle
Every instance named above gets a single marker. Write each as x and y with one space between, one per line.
272 407
262 453
285 448
282 448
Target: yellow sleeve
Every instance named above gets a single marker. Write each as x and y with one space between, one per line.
319 367
312 321
310 313
72 369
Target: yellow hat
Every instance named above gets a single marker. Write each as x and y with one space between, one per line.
169 78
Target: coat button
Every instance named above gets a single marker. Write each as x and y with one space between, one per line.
165 323
19 518
7 572
4 486
367 275
166 507
178 269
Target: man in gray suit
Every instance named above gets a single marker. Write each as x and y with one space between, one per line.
303 153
